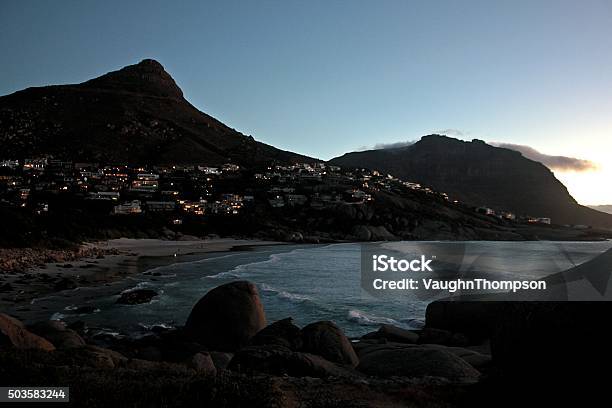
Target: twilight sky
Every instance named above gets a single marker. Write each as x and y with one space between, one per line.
326 77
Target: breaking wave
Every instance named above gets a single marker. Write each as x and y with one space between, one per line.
367 319
283 294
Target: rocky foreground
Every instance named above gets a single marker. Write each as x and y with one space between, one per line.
227 355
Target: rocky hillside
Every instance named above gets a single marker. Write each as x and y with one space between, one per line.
137 114
602 208
480 174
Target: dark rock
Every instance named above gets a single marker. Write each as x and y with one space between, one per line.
282 333
409 360
85 310
65 284
476 359
173 345
393 333
96 357
203 364
137 296
14 334
7 287
478 320
381 233
327 340
221 359
553 339
58 334
473 358
151 353
159 328
439 336
161 367
362 233
87 266
78 326
278 360
227 316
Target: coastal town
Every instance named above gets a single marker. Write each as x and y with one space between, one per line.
179 191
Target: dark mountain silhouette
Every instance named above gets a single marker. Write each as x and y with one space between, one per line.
603 208
137 114
480 174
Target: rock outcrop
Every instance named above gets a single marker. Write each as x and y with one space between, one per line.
327 340
137 296
227 317
58 334
280 333
393 333
14 334
279 360
414 361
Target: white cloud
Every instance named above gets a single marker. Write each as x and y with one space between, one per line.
561 163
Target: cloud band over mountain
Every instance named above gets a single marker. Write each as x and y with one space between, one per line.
561 163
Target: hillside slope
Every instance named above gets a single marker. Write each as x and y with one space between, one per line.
480 174
136 114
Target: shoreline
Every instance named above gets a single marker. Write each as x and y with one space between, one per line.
104 262
110 261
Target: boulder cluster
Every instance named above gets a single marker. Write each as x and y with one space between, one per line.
227 330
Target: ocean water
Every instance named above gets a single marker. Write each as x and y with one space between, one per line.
305 282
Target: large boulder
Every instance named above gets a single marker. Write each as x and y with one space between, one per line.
474 358
407 360
227 317
279 360
58 334
327 340
14 334
281 333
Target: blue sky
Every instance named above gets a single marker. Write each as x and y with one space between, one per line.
325 77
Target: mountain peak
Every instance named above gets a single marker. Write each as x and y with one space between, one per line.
135 115
149 63
148 77
477 173
438 138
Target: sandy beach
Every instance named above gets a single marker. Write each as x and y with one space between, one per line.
104 262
